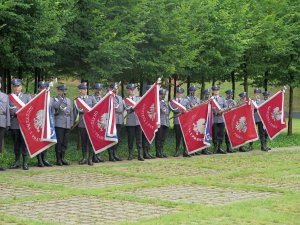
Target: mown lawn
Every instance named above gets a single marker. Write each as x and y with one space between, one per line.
276 174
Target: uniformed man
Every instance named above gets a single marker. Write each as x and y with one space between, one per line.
119 109
42 157
193 100
132 125
257 101
161 134
218 122
206 97
85 141
63 120
178 133
145 142
242 100
19 143
266 95
4 117
229 103
97 95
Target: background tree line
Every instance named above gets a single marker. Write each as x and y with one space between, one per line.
256 42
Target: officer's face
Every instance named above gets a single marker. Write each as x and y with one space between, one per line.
60 92
216 92
206 96
192 93
98 91
179 95
130 92
257 96
161 97
266 97
17 88
83 92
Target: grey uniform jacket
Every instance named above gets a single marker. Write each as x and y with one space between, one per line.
119 108
132 119
176 111
14 123
217 118
193 100
4 111
230 103
164 114
90 101
62 110
256 116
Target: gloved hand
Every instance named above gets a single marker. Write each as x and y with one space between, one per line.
131 110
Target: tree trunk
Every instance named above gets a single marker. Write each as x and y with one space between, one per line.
122 89
20 72
175 86
36 79
246 83
3 76
8 81
188 84
233 83
266 81
213 81
169 89
290 123
202 86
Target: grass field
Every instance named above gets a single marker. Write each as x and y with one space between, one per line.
243 188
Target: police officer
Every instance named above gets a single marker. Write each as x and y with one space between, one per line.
42 157
266 95
4 117
145 143
218 122
242 100
257 101
229 103
119 109
97 95
19 143
161 134
85 141
132 125
64 120
193 100
206 97
178 133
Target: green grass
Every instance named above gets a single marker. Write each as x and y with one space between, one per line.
274 167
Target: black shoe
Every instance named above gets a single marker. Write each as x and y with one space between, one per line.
176 153
58 159
90 160
99 159
118 158
130 154
130 157
220 151
44 159
46 163
185 154
2 169
140 158
269 148
16 164
40 161
83 161
243 149
95 159
206 152
25 163
198 153
264 149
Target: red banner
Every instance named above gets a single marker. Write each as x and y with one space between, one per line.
96 122
272 114
240 125
31 119
148 112
79 103
195 125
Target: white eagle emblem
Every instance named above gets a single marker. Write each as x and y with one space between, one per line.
241 125
38 120
276 114
199 126
103 121
151 112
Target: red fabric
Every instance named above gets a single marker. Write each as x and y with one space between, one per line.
272 114
96 121
240 125
193 125
31 119
148 112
